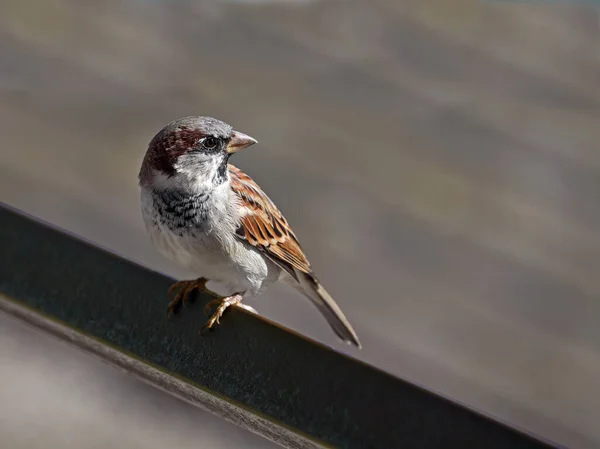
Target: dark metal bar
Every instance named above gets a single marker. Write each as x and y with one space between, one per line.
274 382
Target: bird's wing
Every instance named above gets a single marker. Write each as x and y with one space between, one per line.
264 226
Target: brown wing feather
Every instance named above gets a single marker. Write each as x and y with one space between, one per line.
265 227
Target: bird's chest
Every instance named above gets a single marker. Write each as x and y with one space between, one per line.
195 231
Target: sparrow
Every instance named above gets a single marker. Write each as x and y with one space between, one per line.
210 217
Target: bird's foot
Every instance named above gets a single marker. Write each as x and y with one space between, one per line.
222 305
184 290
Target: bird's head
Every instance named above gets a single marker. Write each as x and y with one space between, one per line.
191 153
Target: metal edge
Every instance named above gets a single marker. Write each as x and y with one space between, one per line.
167 382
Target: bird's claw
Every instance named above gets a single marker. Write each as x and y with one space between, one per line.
184 290
209 326
211 304
224 304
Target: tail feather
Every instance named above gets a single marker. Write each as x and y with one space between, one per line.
311 288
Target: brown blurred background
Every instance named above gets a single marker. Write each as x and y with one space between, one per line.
439 161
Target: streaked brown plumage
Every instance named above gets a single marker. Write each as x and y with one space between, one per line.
265 227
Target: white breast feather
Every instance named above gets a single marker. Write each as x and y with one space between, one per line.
212 251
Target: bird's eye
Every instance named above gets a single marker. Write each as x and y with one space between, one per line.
210 143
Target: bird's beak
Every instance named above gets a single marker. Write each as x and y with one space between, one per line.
239 141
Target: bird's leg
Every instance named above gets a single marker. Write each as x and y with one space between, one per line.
184 290
223 304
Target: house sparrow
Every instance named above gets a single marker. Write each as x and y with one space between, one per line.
209 216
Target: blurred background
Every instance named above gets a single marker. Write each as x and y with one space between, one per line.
438 160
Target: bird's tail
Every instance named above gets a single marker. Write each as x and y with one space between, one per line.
312 288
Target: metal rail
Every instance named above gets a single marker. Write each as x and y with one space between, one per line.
258 375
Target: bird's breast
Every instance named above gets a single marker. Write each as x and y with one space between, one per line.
201 237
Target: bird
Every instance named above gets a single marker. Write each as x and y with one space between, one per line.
211 218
